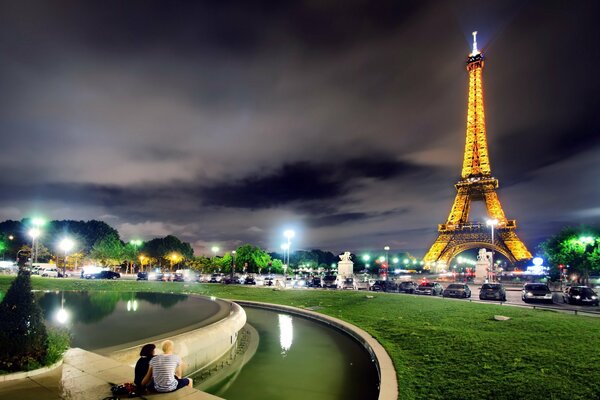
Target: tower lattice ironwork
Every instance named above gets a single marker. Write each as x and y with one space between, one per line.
476 184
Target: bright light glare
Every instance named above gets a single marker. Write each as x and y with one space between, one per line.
395 260
538 261
38 221
491 222
286 332
215 249
62 316
381 259
366 257
66 244
285 246
586 239
34 232
289 234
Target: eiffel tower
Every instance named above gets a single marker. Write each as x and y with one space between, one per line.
476 184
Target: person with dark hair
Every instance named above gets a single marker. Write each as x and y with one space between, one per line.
142 365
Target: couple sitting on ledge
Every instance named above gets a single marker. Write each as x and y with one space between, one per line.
160 373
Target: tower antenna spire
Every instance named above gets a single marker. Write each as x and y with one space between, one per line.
475 50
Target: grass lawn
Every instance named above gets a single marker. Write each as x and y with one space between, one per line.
442 349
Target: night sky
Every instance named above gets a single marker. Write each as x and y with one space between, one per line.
226 122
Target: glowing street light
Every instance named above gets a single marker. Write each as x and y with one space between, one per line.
66 245
289 234
34 232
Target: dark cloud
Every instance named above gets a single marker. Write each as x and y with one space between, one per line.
222 121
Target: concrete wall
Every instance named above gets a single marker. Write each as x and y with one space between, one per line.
198 347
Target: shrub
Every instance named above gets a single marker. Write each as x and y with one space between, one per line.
23 336
58 342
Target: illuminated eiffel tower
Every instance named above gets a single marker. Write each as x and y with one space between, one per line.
476 184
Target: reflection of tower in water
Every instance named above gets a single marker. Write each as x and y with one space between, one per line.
286 333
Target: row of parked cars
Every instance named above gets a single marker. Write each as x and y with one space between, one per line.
488 291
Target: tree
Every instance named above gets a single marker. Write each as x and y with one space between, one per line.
108 250
254 257
161 248
23 336
577 249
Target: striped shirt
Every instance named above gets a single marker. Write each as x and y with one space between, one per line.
163 371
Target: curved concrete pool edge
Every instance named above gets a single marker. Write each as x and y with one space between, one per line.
388 384
198 347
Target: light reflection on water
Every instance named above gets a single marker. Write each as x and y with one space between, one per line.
286 332
300 359
103 319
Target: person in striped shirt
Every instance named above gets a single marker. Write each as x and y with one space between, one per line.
165 369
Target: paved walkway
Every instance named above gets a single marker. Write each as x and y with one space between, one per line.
84 376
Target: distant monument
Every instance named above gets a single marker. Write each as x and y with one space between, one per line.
345 266
483 267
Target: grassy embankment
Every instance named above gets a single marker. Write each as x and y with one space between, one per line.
442 349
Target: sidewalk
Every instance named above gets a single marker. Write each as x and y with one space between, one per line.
84 376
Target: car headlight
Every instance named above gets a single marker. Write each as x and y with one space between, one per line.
594 297
577 297
528 294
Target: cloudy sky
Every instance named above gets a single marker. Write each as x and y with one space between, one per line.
226 122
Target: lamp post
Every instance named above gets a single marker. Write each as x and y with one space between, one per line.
385 269
66 245
286 249
492 224
232 264
34 233
215 250
289 234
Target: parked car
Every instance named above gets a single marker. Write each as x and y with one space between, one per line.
249 280
536 292
429 288
215 278
361 284
459 290
231 280
268 281
407 287
178 277
142 276
51 272
103 275
330 282
300 283
347 283
314 282
384 286
580 295
492 291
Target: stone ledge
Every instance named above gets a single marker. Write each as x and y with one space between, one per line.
27 374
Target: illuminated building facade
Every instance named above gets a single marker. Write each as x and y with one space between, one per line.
476 184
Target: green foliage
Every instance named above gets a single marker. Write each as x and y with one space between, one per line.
254 257
577 249
161 248
23 336
108 251
58 343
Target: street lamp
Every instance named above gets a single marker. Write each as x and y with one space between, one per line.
492 224
289 234
34 233
66 245
232 264
215 250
